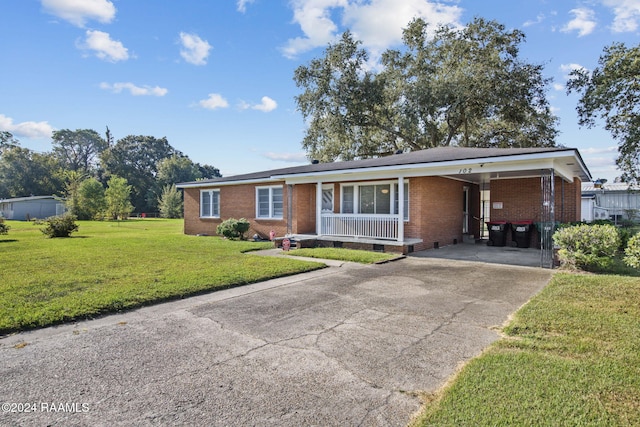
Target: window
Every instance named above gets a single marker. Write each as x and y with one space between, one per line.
406 200
374 198
210 204
269 202
347 199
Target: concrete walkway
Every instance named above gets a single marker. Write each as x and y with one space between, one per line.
342 346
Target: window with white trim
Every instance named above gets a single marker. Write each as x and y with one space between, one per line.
210 203
269 202
377 198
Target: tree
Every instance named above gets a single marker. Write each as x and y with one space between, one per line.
73 180
136 158
78 150
117 197
7 141
461 87
612 92
174 169
170 202
91 199
208 171
26 173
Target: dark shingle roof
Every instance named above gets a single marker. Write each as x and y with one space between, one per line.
432 155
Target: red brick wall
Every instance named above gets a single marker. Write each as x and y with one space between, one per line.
522 199
304 209
236 201
436 211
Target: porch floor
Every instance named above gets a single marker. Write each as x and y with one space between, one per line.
346 239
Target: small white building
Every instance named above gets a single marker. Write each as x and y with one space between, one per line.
615 201
27 208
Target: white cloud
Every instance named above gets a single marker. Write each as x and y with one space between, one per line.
266 105
194 50
539 19
78 12
242 5
377 23
104 47
583 22
567 68
214 101
599 150
133 89
25 129
627 14
287 157
559 87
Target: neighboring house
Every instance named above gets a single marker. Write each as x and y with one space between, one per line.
404 202
615 201
27 208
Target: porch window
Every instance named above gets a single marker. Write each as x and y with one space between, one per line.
406 200
374 198
269 202
347 199
210 204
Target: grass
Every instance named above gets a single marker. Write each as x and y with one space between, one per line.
107 267
570 357
340 254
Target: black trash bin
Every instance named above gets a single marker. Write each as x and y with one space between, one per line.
497 233
521 233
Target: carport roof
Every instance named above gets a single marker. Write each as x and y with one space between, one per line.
432 157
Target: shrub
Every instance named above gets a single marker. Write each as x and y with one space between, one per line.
233 228
587 247
4 228
632 252
60 226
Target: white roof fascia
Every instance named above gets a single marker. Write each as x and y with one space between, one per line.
453 167
209 184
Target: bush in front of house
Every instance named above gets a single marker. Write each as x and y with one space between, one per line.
587 247
60 226
4 228
233 228
632 252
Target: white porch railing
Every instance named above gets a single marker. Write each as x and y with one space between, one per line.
358 225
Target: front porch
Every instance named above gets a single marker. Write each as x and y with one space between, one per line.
350 242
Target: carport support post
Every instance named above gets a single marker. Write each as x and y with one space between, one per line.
547 220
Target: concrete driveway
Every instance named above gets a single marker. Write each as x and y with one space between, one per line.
343 346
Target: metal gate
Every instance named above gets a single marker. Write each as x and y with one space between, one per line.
547 220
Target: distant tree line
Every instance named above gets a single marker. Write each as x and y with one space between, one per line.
100 178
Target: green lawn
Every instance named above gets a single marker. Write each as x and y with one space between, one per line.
570 357
341 254
109 266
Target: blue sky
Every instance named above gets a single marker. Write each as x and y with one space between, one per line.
216 76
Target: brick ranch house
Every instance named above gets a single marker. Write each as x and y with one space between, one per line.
405 202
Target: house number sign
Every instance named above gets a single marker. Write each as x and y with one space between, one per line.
465 170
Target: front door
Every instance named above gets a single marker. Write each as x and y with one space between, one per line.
327 198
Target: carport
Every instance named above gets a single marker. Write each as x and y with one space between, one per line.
544 188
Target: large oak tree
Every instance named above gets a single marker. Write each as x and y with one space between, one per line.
612 92
465 87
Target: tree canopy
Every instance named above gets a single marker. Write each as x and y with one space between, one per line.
612 92
78 150
148 164
463 87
